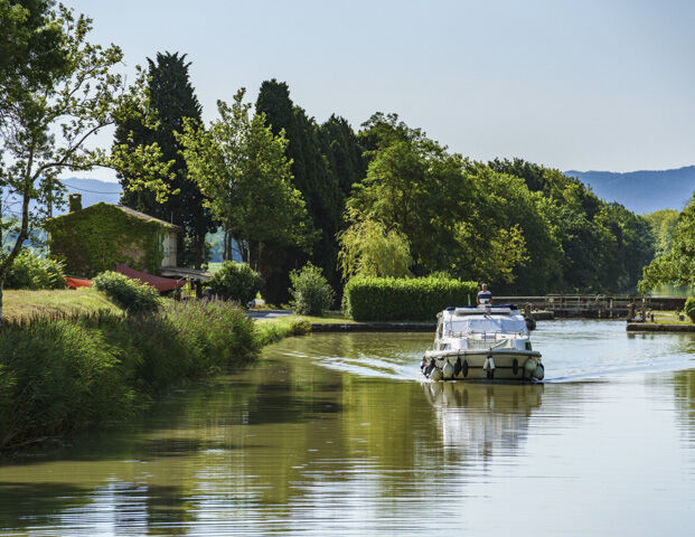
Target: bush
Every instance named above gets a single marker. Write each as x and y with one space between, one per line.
401 299
131 295
689 308
235 281
32 272
310 291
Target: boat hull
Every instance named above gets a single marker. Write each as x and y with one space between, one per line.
483 365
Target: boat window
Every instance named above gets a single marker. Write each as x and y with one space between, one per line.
509 325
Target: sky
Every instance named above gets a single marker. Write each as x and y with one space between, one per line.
582 85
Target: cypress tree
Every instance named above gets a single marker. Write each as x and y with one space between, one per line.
173 98
314 179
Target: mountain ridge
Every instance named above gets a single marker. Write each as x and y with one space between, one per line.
642 191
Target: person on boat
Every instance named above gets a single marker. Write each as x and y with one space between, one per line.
484 296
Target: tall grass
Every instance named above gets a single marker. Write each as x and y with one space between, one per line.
62 374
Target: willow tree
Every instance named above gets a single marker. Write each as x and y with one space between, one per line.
241 168
47 121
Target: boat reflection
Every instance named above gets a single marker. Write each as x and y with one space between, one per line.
482 418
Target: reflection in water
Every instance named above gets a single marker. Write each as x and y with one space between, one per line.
333 434
482 417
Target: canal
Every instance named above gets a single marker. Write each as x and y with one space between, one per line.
337 434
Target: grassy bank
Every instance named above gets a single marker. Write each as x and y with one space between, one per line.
24 305
61 375
668 317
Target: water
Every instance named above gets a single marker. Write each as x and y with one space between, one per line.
337 434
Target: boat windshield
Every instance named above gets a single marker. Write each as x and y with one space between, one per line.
489 324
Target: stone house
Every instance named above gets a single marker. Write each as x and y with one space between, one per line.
103 235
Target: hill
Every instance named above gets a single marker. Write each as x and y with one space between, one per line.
93 191
643 191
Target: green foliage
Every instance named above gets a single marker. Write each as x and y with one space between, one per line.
689 308
663 225
676 266
100 236
368 249
64 375
29 271
131 295
458 216
235 281
311 292
326 161
241 167
173 99
57 92
401 299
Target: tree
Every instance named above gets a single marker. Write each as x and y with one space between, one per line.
172 97
313 177
241 168
458 217
48 119
344 153
663 225
677 266
368 248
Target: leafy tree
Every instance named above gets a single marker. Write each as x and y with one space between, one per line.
602 246
367 248
48 119
241 168
458 216
172 97
677 266
663 225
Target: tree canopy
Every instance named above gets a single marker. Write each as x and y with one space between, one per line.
676 265
48 117
241 168
172 99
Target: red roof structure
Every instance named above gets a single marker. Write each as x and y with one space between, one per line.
159 283
74 283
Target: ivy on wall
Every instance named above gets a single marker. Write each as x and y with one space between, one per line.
101 236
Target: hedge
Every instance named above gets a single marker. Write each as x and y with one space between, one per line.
404 299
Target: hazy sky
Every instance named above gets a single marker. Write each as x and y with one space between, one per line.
570 84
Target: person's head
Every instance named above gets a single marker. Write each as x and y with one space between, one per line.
484 287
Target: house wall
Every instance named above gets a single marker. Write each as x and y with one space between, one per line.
101 236
169 249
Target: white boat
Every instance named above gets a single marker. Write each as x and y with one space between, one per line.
482 343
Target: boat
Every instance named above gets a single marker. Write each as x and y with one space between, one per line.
483 342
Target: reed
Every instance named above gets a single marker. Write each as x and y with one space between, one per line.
65 372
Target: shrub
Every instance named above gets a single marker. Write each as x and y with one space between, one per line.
127 293
310 291
689 308
32 272
235 281
401 299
